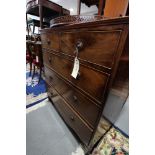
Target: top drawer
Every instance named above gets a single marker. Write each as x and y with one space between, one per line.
50 41
99 47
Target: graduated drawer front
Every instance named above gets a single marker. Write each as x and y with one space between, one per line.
90 81
50 91
80 103
71 118
50 40
99 47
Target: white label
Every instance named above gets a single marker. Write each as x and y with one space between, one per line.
37 59
75 68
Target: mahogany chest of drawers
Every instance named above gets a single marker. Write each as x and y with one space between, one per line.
81 101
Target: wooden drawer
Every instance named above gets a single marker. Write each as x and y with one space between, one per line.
52 79
72 119
80 103
51 92
50 41
90 81
99 47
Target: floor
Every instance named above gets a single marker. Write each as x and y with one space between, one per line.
46 133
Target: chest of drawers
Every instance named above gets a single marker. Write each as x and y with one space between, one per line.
81 101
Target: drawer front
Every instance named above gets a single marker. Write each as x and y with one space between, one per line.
99 47
72 119
51 92
50 41
92 82
80 103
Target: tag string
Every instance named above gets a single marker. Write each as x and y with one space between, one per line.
77 52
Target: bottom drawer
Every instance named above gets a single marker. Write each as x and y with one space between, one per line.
71 117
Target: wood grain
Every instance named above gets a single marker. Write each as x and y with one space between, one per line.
80 103
94 85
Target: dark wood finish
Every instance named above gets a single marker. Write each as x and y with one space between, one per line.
41 15
80 103
63 67
103 42
101 70
74 19
71 117
36 56
45 9
50 41
101 7
29 57
78 7
50 8
36 23
65 12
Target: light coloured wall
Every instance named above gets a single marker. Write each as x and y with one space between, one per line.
72 6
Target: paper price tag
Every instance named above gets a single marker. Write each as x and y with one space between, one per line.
37 59
75 68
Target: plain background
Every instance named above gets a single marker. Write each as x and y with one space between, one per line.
13 66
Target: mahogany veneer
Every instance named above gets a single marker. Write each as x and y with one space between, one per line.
81 101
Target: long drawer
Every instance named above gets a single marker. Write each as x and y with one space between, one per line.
80 103
71 117
90 81
98 47
50 41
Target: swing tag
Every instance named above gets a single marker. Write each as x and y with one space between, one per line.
75 68
37 59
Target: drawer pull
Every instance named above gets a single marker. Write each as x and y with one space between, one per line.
75 98
72 118
48 42
78 76
51 93
50 78
79 44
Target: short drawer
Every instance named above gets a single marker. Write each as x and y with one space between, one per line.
73 120
50 41
98 47
80 103
90 81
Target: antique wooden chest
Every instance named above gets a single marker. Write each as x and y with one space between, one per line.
99 47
